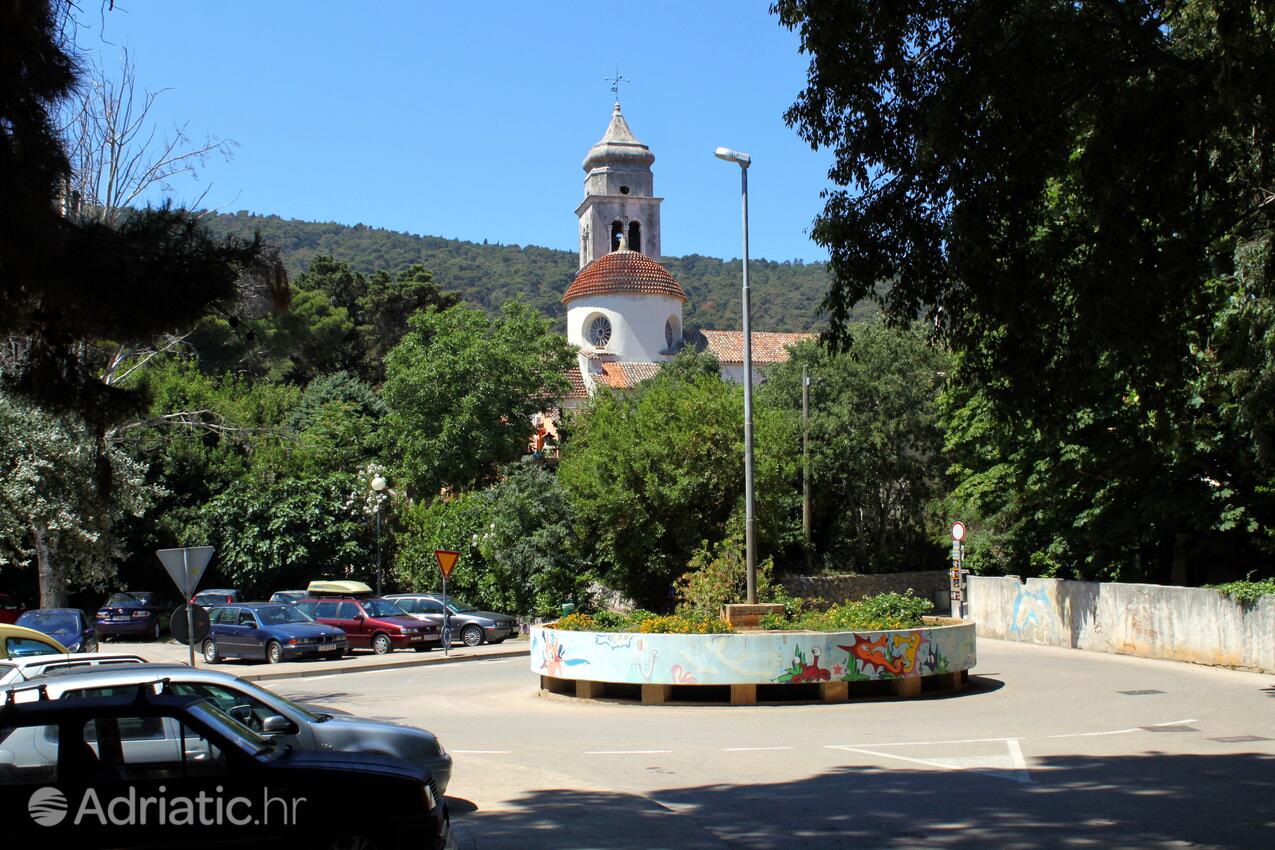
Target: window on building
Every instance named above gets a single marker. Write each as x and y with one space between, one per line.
617 230
635 236
599 331
672 333
624 190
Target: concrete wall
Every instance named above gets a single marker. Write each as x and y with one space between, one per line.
752 657
834 589
1154 621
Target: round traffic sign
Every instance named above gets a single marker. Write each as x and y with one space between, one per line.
199 616
958 530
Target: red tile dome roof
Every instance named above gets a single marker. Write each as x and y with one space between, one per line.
624 273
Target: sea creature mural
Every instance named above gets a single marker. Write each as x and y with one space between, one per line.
555 657
1035 615
892 654
800 672
682 676
613 640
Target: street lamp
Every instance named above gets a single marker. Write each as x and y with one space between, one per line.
743 160
378 486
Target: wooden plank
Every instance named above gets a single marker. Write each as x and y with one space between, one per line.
656 694
949 681
909 687
589 690
834 691
743 694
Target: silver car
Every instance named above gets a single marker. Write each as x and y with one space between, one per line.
469 625
29 667
263 711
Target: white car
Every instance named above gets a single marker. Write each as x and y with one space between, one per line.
16 670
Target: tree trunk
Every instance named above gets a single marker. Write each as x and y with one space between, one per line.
52 592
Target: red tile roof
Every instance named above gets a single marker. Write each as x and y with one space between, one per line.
627 375
728 346
624 273
578 388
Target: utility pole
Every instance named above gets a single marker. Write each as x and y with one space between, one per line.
805 463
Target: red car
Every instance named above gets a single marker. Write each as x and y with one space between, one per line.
371 622
10 609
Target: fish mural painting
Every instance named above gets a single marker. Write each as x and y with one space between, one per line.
757 657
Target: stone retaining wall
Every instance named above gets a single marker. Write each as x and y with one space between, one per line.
845 588
1175 623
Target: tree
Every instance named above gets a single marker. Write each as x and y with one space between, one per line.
66 281
1070 193
60 499
653 474
462 390
876 445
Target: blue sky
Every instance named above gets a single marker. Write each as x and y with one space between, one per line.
470 120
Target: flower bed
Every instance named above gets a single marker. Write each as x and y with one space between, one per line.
753 658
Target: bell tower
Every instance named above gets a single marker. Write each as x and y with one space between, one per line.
618 196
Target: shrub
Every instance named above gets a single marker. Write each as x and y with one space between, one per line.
1248 591
717 575
577 622
675 624
874 613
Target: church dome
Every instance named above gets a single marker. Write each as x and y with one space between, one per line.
624 273
618 148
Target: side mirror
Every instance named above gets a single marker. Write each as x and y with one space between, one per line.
278 725
360 616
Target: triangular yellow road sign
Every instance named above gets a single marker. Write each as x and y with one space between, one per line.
446 560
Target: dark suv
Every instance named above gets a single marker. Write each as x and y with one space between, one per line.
372 622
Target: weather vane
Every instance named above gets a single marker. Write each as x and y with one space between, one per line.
615 83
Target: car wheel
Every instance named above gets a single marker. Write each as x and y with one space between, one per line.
471 636
274 652
155 631
211 655
381 644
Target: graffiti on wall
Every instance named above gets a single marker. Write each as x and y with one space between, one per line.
1035 614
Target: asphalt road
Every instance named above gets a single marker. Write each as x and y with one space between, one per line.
1048 748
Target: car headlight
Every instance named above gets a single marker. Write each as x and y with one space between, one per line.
74 647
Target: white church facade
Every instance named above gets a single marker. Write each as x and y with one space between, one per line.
624 309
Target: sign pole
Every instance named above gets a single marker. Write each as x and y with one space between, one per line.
447 631
190 614
446 561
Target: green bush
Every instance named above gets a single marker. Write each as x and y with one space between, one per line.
1247 591
718 575
645 622
875 613
577 622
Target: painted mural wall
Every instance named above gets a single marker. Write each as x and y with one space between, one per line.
752 657
1154 621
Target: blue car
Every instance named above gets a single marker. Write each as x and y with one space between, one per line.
270 632
70 627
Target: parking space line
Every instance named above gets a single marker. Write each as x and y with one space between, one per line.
753 749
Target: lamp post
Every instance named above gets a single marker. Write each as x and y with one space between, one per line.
743 160
378 487
805 462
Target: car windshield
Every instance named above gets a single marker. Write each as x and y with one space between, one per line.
272 697
459 607
127 600
278 615
57 621
382 608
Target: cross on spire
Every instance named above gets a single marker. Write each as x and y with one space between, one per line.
615 83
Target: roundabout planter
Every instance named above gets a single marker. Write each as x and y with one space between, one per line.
740 667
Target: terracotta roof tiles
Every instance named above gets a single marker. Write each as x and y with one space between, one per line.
728 346
624 273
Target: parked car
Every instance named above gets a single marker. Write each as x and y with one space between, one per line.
271 632
372 622
19 670
288 597
131 612
469 625
170 749
20 642
10 609
254 705
70 627
217 596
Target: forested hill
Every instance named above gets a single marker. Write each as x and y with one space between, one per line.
785 296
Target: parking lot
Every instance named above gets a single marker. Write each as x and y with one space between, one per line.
1048 748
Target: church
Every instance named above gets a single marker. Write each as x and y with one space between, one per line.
624 309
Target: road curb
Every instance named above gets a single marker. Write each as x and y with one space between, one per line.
511 652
